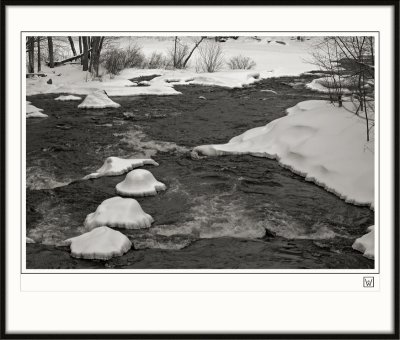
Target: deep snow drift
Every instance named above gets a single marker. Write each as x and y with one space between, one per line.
324 143
366 243
97 100
101 243
139 183
118 212
115 166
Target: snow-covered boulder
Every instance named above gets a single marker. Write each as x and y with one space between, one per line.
34 112
97 100
68 98
138 183
319 141
115 166
29 240
366 243
101 243
118 212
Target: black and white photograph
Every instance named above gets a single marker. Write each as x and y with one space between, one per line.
200 151
200 171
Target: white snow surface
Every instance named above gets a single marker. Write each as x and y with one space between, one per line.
68 98
139 183
34 112
118 212
366 243
272 60
115 166
324 143
101 243
97 100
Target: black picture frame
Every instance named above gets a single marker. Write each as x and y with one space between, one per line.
3 132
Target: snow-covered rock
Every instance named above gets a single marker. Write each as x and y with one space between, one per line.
29 240
67 98
115 166
34 112
97 100
366 243
119 212
138 183
324 143
101 243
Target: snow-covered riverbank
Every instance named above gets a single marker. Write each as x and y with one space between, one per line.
322 142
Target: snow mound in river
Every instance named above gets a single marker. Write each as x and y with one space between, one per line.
366 244
115 166
67 98
97 100
138 183
119 212
34 112
324 143
101 243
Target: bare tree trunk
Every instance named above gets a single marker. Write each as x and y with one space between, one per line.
31 55
80 48
97 44
71 42
85 53
176 41
39 63
191 52
51 52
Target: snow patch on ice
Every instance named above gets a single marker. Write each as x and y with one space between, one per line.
118 212
115 166
325 144
68 98
366 243
139 183
101 243
97 100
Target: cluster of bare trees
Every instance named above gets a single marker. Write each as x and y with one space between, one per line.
348 65
89 52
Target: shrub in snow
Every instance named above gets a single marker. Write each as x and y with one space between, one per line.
157 60
71 97
119 212
115 166
210 57
97 100
138 183
115 60
241 63
366 244
101 243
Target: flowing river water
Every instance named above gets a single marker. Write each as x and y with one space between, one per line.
218 212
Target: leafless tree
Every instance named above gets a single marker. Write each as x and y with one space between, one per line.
31 54
85 57
51 51
210 57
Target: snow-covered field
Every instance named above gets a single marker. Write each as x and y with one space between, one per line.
272 60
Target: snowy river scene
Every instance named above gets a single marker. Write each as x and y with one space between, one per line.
203 152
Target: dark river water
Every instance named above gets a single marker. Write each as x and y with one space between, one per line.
217 212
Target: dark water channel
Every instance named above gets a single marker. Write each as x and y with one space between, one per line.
222 212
